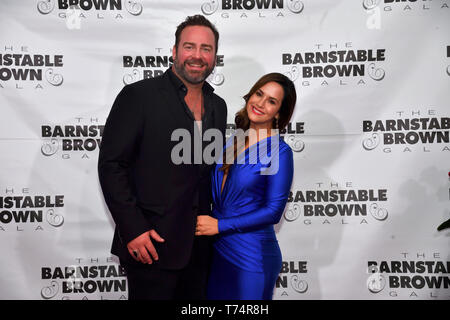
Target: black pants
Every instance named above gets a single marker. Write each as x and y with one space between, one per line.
150 282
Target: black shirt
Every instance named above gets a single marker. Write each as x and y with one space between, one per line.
207 94
207 122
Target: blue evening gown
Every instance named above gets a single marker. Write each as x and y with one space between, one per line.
247 258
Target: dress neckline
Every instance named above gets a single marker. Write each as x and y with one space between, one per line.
255 144
245 154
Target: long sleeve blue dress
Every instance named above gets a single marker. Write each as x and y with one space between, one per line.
247 258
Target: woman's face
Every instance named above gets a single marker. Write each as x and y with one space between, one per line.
264 104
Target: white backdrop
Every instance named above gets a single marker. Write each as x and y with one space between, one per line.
370 134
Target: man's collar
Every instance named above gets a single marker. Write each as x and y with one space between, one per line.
180 85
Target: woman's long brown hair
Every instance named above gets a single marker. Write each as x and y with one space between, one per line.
242 120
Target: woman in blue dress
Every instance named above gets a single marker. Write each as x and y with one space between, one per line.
250 189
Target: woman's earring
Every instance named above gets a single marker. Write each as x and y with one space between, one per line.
276 123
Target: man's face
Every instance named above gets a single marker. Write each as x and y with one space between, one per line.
194 59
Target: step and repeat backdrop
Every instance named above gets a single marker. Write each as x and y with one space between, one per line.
370 134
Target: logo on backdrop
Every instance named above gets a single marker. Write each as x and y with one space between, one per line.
252 8
411 275
333 203
291 134
335 64
22 210
448 56
22 69
86 279
291 280
406 6
78 140
74 11
408 131
143 67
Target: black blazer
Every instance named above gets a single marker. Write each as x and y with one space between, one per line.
142 187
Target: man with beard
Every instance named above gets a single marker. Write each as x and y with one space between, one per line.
153 201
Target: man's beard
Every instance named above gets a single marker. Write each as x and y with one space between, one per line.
192 78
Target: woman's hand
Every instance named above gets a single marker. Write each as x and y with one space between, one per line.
206 226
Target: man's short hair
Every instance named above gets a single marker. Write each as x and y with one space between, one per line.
196 20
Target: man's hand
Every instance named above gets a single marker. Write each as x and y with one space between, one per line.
140 247
206 226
